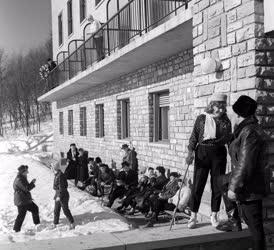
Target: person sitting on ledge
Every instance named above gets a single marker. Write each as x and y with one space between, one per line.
126 180
160 202
105 180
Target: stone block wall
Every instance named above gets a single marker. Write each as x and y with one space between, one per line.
173 74
232 31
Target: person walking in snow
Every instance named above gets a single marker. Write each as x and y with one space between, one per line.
61 197
23 199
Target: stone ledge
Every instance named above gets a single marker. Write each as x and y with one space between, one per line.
155 238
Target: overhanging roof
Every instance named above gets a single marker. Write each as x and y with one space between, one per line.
167 39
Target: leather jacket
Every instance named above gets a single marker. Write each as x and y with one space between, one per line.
247 151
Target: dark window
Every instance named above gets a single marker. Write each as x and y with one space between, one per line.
123 115
70 22
60 29
83 121
160 116
61 123
82 10
97 1
62 154
70 122
99 120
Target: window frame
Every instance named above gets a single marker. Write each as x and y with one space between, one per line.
100 120
70 122
125 118
83 10
60 29
70 17
61 123
157 117
83 121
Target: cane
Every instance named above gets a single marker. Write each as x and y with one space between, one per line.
179 196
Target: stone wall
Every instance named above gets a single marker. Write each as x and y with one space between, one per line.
232 31
174 74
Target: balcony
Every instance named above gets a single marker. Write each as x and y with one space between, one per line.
140 33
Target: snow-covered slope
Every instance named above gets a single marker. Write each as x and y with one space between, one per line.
89 215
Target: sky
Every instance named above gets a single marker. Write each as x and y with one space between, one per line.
24 24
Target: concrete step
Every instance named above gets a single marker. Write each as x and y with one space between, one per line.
180 237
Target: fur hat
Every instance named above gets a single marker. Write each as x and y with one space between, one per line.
124 146
22 169
218 97
245 106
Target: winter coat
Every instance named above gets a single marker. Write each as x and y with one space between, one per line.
60 185
129 178
247 151
94 171
71 170
82 168
161 181
169 190
223 132
131 157
22 187
106 177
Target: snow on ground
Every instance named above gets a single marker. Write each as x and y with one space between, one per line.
89 215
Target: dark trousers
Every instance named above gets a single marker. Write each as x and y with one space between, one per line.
208 159
158 205
22 211
98 41
118 192
252 213
63 203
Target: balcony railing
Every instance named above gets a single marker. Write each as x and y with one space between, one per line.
136 18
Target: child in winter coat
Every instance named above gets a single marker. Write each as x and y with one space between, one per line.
61 197
23 199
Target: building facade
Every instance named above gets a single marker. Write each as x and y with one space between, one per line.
150 85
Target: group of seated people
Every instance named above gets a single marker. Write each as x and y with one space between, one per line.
149 193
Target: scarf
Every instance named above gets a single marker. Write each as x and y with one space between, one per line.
210 127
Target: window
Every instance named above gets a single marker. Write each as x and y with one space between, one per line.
70 122
83 121
99 120
70 23
60 29
83 12
61 123
159 112
97 2
123 119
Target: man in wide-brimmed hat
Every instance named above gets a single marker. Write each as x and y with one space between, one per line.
130 157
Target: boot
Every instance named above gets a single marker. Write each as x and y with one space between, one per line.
150 223
71 226
233 224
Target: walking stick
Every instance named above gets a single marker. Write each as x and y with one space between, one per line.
179 197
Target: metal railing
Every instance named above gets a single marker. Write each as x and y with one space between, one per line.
135 18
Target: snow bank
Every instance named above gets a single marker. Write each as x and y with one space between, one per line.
89 215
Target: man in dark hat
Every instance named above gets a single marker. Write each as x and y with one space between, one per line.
126 180
130 157
23 199
247 151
